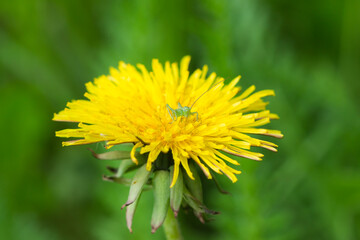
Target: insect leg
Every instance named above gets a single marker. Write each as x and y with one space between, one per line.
170 110
179 105
197 115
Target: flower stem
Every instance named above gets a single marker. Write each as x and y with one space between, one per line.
171 227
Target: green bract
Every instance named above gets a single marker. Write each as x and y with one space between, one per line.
186 192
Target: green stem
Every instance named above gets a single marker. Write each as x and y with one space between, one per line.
171 227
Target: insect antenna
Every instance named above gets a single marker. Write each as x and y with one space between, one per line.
207 91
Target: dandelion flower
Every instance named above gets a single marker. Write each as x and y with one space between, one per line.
129 106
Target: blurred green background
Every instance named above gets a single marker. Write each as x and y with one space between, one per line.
307 51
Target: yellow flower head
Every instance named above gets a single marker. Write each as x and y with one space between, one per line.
133 105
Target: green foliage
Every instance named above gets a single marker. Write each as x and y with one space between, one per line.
308 52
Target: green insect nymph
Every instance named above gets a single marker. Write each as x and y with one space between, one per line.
181 112
186 111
